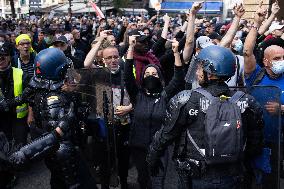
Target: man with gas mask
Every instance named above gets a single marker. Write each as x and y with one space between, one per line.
55 114
187 125
149 101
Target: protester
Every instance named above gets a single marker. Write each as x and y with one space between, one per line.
149 101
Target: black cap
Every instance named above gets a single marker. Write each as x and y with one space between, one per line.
140 35
61 39
4 50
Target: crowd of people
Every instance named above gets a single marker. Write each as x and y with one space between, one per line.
162 70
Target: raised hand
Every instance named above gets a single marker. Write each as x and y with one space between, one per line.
166 18
103 34
239 10
275 8
175 45
260 13
196 7
132 40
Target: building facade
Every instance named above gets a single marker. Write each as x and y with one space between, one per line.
23 7
251 6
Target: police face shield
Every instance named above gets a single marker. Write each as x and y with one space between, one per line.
195 73
92 86
93 91
269 161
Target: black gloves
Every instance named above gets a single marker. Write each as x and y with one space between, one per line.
154 162
65 120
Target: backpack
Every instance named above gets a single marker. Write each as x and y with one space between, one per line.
223 136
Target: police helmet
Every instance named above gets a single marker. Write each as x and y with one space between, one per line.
217 60
51 64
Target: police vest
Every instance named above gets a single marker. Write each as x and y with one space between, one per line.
21 110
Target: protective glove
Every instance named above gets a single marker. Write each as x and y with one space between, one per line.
154 162
17 159
156 168
6 149
65 120
3 148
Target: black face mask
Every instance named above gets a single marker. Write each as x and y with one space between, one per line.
152 84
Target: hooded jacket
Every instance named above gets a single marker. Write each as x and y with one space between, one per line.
149 110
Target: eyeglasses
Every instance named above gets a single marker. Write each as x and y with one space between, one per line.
25 43
109 58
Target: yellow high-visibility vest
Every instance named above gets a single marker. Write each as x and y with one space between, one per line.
133 70
22 110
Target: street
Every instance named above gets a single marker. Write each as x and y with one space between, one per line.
38 177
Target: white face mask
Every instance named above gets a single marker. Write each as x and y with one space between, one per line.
238 46
278 67
1 43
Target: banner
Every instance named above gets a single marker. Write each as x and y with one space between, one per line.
98 11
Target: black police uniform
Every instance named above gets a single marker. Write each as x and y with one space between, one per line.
186 111
52 108
14 128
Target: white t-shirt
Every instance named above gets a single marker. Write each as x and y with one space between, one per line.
232 82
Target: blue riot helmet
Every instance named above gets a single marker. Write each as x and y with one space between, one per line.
218 61
51 64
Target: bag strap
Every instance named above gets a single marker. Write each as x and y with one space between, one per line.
194 143
237 96
205 93
121 88
238 71
259 77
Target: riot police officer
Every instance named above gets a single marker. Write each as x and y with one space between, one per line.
54 113
186 112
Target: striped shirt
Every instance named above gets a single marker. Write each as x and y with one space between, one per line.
27 68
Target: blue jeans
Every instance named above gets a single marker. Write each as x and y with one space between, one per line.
225 182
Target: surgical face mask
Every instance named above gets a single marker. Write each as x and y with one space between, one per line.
278 67
238 47
1 43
